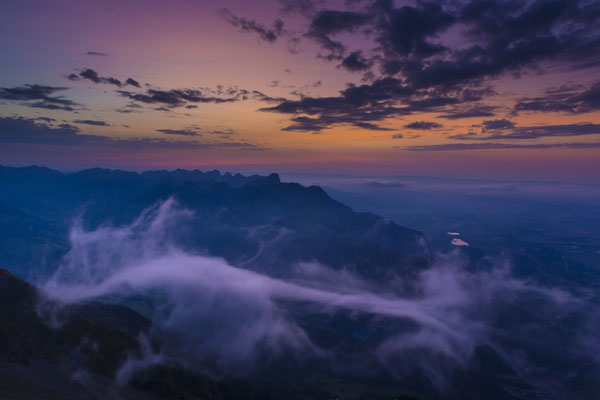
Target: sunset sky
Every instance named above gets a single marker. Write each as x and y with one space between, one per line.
476 89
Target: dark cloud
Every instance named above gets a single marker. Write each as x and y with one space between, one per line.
132 82
398 136
356 62
228 132
257 95
331 22
328 23
189 98
51 106
41 95
129 108
182 132
96 53
423 125
405 31
497 124
372 127
571 100
495 145
175 97
247 25
28 131
92 76
501 37
29 92
509 37
45 119
479 110
512 132
23 130
375 102
90 122
306 124
496 37
443 56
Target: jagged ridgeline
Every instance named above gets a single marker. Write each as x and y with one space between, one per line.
234 217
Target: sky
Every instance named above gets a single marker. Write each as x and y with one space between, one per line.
457 88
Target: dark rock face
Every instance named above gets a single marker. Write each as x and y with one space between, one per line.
234 216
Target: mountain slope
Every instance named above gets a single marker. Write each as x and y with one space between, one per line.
75 352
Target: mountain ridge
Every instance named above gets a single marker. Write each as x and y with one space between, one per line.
226 208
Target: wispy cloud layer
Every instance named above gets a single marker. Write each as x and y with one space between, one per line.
244 316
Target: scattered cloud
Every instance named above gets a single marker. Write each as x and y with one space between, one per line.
41 95
247 25
175 97
423 125
129 108
497 124
132 82
371 103
258 95
496 145
96 53
416 64
504 129
223 132
480 110
572 100
92 76
182 132
91 122
30 131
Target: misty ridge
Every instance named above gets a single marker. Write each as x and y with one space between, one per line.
253 282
